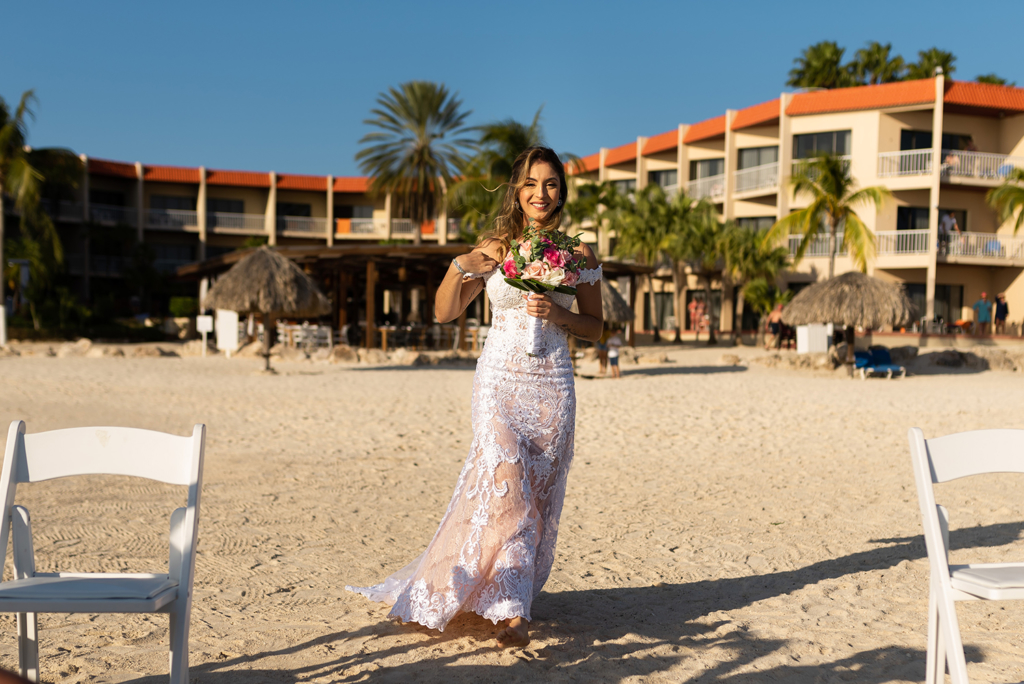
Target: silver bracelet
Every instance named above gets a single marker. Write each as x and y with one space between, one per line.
461 270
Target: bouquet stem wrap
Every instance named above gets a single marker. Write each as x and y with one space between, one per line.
536 328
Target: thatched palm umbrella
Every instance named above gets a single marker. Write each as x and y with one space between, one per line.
271 285
613 306
851 300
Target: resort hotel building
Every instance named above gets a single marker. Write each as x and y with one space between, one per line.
939 145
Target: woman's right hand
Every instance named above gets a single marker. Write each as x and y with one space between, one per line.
477 262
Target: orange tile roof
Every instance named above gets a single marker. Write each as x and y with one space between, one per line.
251 179
296 182
105 167
620 154
591 162
358 184
170 174
897 94
668 140
756 115
984 95
704 130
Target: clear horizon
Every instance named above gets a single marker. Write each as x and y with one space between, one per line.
196 84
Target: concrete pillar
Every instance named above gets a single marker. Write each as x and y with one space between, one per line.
441 224
140 210
85 227
204 288
371 295
330 211
387 215
641 164
933 196
271 214
785 157
601 174
682 159
730 169
201 216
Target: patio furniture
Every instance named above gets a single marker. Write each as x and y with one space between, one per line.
878 361
940 460
101 451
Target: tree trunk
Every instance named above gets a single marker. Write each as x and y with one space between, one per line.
737 315
850 337
268 330
832 250
3 279
677 287
711 315
654 308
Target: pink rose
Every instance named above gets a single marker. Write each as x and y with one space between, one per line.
509 267
554 257
571 278
535 271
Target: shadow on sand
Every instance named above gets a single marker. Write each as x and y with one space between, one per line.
645 618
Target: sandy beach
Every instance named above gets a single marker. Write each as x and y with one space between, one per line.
722 523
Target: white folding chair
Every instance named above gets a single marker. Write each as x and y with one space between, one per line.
941 460
101 451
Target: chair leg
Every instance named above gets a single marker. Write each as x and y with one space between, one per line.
28 646
932 658
179 647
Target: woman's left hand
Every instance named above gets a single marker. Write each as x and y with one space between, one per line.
542 306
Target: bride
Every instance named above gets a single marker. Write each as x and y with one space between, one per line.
494 548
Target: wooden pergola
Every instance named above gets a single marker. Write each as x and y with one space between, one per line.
355 276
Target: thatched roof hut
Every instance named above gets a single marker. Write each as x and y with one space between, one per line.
613 306
851 300
269 284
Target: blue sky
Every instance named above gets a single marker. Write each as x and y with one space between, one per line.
285 86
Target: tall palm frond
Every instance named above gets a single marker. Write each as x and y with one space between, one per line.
872 64
1008 198
820 66
926 62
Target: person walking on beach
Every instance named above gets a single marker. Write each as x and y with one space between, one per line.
614 342
982 314
1002 312
602 351
495 546
774 324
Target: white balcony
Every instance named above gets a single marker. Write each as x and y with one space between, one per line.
172 219
762 177
800 165
818 246
896 242
984 246
905 163
245 224
671 190
712 187
979 165
402 226
302 224
113 216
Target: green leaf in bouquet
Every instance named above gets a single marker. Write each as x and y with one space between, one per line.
565 289
518 284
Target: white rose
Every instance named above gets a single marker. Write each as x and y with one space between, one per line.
553 277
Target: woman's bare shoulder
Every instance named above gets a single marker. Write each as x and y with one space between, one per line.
586 251
492 247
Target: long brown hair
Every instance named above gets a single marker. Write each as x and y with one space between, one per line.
510 222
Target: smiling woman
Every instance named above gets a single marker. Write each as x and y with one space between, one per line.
496 544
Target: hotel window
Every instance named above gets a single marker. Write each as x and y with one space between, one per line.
168 202
757 156
916 218
815 144
663 178
227 206
922 140
348 211
294 209
624 187
756 222
108 197
949 300
706 168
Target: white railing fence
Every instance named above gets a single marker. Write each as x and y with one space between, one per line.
712 187
302 224
171 219
113 216
964 164
901 242
986 245
905 163
402 226
801 165
758 178
366 226
249 222
818 246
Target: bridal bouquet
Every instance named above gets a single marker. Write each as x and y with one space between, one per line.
543 263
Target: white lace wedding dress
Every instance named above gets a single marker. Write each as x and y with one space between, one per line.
494 548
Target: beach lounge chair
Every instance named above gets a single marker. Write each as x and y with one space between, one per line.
108 451
941 460
877 362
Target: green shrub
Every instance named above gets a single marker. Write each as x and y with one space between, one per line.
180 307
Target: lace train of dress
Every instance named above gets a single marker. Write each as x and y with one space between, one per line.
494 548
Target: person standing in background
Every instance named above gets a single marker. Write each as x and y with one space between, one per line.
982 315
947 225
614 342
1002 311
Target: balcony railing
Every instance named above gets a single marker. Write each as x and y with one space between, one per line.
670 190
113 216
758 178
901 242
453 228
302 224
982 165
905 163
171 219
368 226
250 223
712 187
402 226
985 246
801 165
818 246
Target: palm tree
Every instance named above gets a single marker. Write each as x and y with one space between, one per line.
747 259
873 65
833 197
820 66
699 240
994 79
588 202
417 149
1008 198
643 225
763 296
927 60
